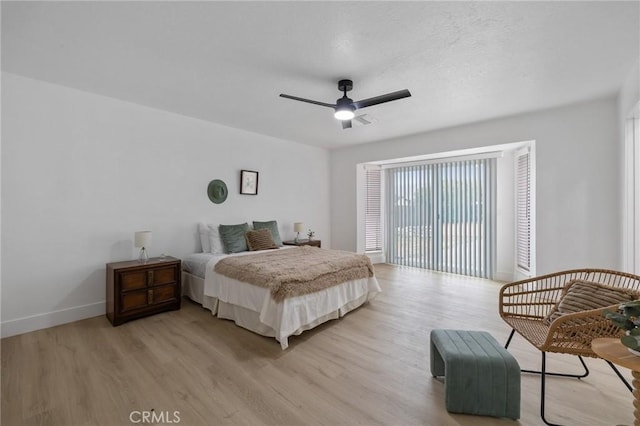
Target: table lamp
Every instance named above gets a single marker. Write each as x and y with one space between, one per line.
142 240
298 227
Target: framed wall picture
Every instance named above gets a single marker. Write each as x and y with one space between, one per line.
248 182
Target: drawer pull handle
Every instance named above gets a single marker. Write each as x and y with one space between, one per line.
149 277
149 296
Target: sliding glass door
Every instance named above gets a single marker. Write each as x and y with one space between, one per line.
441 216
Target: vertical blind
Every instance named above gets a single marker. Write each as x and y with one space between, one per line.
373 210
441 216
523 211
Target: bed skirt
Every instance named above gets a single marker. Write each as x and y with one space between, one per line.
345 298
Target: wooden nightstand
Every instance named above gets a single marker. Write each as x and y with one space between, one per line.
136 289
315 243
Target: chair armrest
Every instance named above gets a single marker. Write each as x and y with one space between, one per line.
577 330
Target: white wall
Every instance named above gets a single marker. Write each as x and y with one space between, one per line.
628 107
81 173
629 92
505 217
577 161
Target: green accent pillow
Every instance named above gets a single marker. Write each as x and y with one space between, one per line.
232 237
272 226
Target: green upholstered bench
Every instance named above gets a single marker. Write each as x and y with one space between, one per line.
480 376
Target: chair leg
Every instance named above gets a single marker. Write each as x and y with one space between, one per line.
542 389
513 330
620 376
575 376
543 376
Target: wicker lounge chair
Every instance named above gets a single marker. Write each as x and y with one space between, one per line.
525 305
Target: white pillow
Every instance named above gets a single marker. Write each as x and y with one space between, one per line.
203 230
215 242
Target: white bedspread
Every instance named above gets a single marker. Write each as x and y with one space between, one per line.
293 315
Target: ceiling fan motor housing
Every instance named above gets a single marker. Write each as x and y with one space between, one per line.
345 85
345 103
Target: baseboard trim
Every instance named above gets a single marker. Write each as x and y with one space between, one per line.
51 319
376 257
504 276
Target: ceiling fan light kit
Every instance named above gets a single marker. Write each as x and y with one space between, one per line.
345 107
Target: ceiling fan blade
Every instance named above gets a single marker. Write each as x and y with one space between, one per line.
382 99
346 124
309 101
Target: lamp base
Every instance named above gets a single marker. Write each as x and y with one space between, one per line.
143 257
297 238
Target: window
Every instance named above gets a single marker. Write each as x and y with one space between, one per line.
523 211
441 216
373 210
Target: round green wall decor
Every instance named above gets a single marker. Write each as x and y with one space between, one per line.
217 191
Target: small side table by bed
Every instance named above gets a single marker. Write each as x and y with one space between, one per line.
136 289
611 349
314 243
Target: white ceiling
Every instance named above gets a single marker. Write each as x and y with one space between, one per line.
227 62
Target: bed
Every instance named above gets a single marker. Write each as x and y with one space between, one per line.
257 307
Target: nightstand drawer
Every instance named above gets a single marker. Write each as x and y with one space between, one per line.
163 276
164 294
133 300
132 280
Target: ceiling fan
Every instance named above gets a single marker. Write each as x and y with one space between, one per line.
345 107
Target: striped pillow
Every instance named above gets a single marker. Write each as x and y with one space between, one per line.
260 239
580 295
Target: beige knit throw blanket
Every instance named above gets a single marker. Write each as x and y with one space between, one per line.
296 271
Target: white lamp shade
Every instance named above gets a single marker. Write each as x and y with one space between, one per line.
142 239
298 227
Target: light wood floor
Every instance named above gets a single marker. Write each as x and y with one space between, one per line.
368 368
